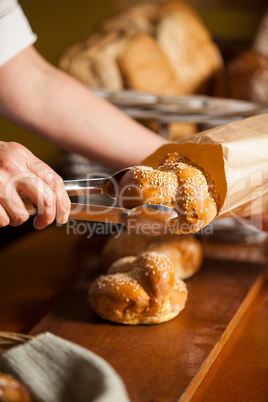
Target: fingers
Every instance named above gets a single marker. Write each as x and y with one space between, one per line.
41 195
63 203
4 218
55 183
12 209
21 173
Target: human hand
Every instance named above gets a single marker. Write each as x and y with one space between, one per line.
22 174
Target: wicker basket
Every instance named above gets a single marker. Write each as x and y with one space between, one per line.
10 339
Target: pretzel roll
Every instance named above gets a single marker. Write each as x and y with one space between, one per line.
184 250
177 182
139 290
11 390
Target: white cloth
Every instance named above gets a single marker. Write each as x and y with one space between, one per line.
56 370
15 31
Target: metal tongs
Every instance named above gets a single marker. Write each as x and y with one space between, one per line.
151 220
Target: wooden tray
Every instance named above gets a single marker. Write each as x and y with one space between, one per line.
168 361
157 363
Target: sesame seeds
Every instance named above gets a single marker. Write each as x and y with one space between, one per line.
179 183
146 286
130 309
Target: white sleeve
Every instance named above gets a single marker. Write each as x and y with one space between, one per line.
15 31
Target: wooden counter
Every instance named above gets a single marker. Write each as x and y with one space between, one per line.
217 341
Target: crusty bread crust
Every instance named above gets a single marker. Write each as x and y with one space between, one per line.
139 290
144 67
177 182
184 250
161 48
144 283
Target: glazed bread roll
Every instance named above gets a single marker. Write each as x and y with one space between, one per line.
139 290
177 182
144 282
184 250
11 390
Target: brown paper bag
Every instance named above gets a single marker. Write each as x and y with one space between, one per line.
236 156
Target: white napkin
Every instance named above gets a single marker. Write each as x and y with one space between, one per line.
56 370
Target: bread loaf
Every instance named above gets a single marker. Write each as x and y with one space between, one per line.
194 58
246 76
184 250
187 60
144 67
162 48
139 18
143 284
94 61
139 290
177 182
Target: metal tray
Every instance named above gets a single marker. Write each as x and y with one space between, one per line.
198 109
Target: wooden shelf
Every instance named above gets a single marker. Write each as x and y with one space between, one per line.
163 362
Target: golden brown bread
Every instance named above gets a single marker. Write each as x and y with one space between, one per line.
184 250
247 77
144 67
144 281
175 131
11 390
139 290
138 18
144 284
178 183
188 47
122 246
168 42
162 48
94 61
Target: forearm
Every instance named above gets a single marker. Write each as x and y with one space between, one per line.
52 104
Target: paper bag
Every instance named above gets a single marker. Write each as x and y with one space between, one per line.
236 156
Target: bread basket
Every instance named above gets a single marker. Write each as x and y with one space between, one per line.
10 339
